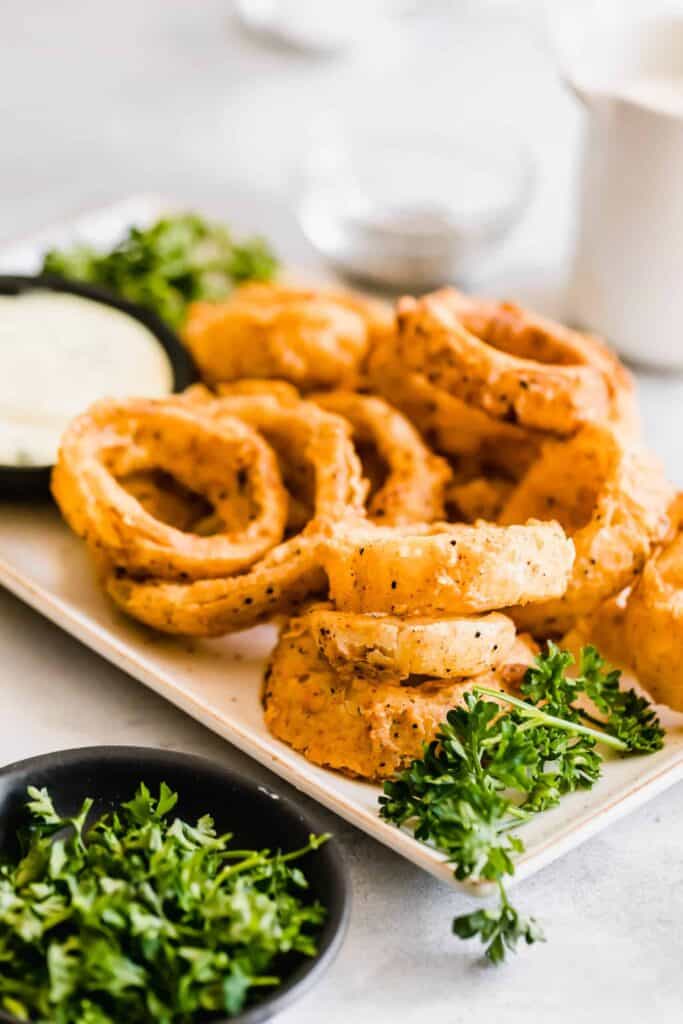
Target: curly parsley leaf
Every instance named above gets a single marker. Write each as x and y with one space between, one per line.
143 917
497 762
176 261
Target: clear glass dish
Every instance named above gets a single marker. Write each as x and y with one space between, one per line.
411 211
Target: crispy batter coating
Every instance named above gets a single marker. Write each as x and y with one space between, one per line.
556 391
361 728
482 497
446 569
411 487
290 572
228 463
612 499
278 584
446 422
313 338
388 647
650 628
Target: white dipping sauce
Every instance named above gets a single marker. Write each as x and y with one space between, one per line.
58 354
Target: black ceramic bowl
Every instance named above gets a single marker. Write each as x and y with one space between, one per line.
258 816
34 481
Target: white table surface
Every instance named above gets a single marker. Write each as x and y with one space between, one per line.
97 101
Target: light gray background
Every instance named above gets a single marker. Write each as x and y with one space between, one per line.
99 100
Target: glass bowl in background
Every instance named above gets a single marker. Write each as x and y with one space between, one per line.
410 211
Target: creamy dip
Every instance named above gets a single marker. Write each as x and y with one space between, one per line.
58 354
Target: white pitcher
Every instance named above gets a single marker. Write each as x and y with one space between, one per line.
627 279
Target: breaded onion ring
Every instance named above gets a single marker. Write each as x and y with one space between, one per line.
290 572
445 570
278 584
387 647
366 729
612 499
318 463
557 395
651 635
447 423
413 489
314 338
226 462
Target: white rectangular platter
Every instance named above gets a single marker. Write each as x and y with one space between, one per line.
218 682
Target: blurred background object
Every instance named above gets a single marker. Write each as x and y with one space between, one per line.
310 25
410 209
624 62
206 103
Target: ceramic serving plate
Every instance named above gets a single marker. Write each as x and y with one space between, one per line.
218 682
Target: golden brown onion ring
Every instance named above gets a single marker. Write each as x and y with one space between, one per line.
447 423
314 338
317 458
278 584
413 490
361 728
387 647
525 334
612 499
650 629
445 569
228 463
289 573
555 396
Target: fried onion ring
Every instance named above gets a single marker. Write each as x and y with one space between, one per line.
612 499
387 647
651 633
316 456
278 584
556 396
361 728
226 462
314 338
413 490
445 569
289 573
447 423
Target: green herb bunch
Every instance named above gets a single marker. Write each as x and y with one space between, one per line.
489 771
144 917
168 265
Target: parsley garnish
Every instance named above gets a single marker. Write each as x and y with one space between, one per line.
164 267
144 917
489 771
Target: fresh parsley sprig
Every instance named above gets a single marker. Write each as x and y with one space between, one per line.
144 917
490 769
168 265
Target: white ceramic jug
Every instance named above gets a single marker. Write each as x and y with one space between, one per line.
627 279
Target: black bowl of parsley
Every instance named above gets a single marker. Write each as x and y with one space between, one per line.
145 885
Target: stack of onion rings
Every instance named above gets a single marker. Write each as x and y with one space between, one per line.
368 729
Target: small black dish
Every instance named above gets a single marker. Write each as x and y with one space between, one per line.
258 816
25 482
